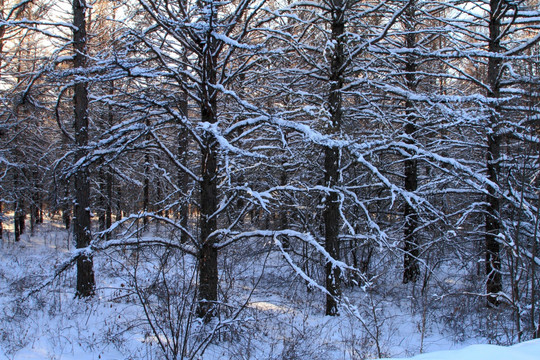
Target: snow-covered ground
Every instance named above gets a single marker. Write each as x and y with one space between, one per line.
529 350
279 317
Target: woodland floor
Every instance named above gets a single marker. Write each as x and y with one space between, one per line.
267 311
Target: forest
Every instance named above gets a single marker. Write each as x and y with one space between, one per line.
237 178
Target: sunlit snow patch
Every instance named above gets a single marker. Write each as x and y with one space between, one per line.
263 305
529 350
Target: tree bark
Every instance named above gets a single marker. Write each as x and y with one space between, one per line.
102 200
40 209
18 228
108 206
208 265
283 213
2 30
119 203
19 219
331 225
183 178
1 220
109 177
33 210
66 209
411 267
16 225
81 219
493 224
146 186
331 159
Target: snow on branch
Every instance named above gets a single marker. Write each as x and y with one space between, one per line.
224 143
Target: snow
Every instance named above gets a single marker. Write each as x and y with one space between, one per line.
529 350
275 318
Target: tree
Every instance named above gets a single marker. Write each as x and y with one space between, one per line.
82 231
493 226
24 128
502 47
194 50
410 263
324 87
331 154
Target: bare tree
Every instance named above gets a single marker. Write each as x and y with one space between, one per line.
82 231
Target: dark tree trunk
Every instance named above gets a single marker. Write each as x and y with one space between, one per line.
109 177
18 218
146 190
105 208
159 192
102 201
208 264
66 208
411 267
1 221
331 159
33 210
410 262
66 217
2 31
536 334
146 186
493 224
183 178
81 220
331 226
35 204
108 206
22 217
283 214
40 209
16 225
119 203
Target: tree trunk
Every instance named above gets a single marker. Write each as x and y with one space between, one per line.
66 217
146 186
119 203
283 214
146 189
22 218
81 220
108 206
40 209
159 195
331 226
2 30
208 264
493 225
66 207
109 178
183 178
1 221
411 270
34 205
33 210
102 200
331 159
493 261
16 219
